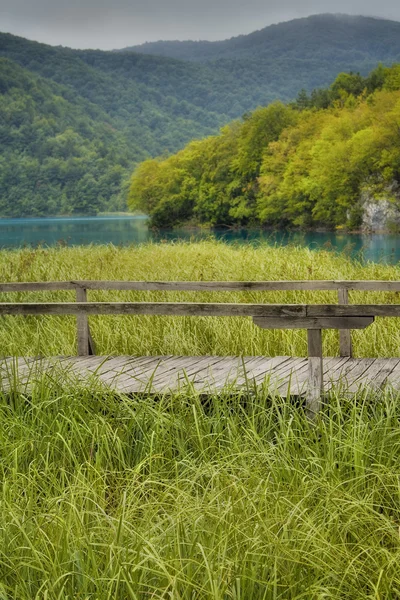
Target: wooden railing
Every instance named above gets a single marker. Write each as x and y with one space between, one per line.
313 317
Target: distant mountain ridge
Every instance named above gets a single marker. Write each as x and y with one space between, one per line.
362 36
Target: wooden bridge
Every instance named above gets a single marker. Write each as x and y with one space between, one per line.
160 374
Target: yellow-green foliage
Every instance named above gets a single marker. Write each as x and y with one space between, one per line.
299 165
208 260
317 169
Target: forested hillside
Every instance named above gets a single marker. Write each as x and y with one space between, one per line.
333 36
305 164
74 123
59 153
71 130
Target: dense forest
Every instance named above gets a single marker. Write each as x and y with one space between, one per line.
304 164
71 132
75 123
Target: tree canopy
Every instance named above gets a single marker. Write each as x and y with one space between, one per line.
304 164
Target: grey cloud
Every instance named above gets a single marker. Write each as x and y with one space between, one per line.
117 23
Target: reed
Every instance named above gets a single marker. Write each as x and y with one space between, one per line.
208 260
111 498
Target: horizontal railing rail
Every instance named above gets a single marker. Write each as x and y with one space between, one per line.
204 286
200 309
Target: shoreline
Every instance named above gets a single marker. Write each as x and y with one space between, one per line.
205 228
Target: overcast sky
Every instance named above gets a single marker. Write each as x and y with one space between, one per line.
109 24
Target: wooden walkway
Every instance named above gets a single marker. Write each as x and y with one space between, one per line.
205 374
282 375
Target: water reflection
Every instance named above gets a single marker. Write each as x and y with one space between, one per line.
123 230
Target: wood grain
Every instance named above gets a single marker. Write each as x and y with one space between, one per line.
313 322
345 345
194 286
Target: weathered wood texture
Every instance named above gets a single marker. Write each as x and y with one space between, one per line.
85 341
315 372
198 309
84 337
313 322
201 286
280 375
268 316
345 344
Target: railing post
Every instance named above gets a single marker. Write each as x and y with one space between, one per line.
85 341
345 344
315 373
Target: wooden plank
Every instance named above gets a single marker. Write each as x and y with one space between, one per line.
217 286
334 364
251 367
180 378
115 371
153 308
201 309
282 376
225 373
207 374
353 310
356 375
240 376
132 370
24 372
183 373
109 369
314 387
298 384
140 378
313 322
37 286
342 375
268 372
82 324
336 371
254 286
315 372
84 361
118 362
210 373
376 375
295 381
285 369
82 366
345 346
393 379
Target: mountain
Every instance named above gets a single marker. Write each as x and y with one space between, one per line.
73 124
80 120
348 37
302 53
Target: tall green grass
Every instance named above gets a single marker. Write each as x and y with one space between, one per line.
108 497
207 260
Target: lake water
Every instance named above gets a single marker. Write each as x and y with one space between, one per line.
16 233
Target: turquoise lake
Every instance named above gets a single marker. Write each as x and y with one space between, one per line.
16 233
